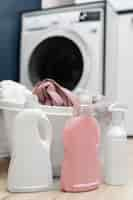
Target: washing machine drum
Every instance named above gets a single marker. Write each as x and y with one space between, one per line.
58 58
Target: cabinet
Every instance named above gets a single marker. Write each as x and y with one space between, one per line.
119 61
125 66
10 25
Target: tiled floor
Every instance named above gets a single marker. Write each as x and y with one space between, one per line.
103 193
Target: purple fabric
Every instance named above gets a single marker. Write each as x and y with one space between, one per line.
51 93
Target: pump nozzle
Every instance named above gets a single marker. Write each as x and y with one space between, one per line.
117 107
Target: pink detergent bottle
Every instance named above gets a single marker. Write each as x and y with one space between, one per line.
81 166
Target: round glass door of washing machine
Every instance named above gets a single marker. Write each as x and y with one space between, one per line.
58 58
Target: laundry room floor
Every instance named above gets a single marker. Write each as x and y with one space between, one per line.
103 193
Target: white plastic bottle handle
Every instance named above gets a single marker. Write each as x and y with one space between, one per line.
45 129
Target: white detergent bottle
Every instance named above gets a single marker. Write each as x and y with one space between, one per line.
30 167
115 152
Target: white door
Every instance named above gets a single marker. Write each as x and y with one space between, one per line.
125 67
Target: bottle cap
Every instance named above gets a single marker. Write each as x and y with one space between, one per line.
84 110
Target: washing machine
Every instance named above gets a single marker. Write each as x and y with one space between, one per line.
64 44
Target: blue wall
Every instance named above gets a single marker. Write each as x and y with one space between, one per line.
10 26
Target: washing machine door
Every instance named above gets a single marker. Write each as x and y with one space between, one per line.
62 56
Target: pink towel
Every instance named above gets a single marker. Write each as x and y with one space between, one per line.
51 93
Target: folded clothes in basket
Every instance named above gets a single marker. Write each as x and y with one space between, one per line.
51 93
13 92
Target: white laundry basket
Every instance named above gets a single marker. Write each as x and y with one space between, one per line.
57 116
56 3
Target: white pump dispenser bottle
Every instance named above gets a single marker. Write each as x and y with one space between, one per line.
115 153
